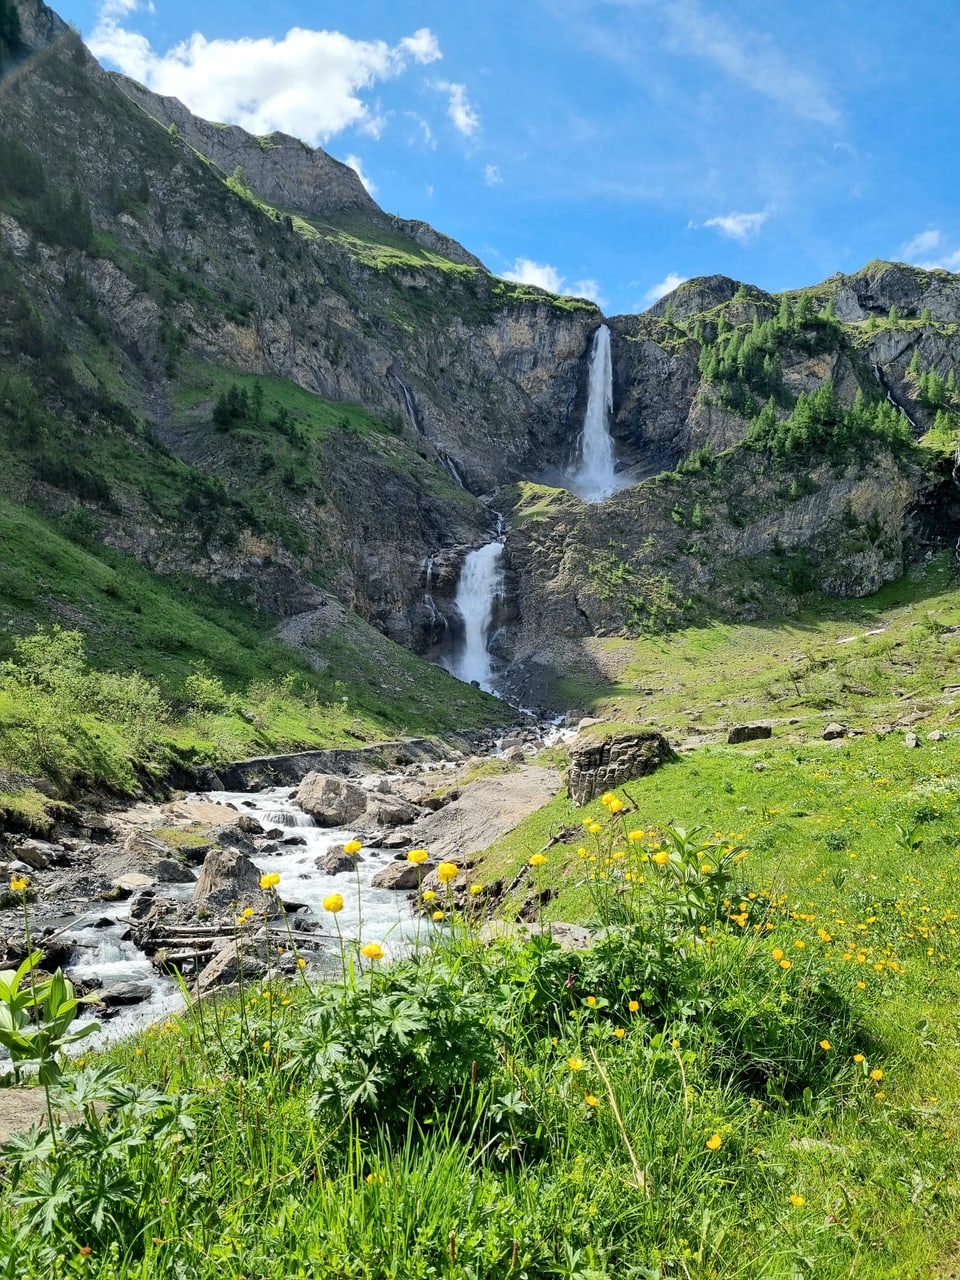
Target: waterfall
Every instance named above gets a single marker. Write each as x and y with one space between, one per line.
881 383
595 478
438 623
479 589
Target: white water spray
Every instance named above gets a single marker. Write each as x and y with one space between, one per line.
479 589
596 477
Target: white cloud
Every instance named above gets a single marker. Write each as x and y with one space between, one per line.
915 252
738 226
491 175
526 271
667 285
424 134
748 56
464 117
545 276
356 164
308 83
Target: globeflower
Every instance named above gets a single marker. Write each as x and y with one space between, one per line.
333 903
372 951
661 858
437 916
447 871
476 888
17 883
352 846
591 1101
575 1064
417 856
538 860
270 880
714 1142
429 895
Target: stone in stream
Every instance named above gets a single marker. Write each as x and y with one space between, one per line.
228 878
332 801
337 861
124 993
169 871
401 875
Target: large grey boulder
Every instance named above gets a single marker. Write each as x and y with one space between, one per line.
332 801
401 875
228 878
225 969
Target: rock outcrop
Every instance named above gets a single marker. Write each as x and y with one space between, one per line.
596 767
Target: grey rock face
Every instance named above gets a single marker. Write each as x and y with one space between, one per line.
229 877
596 767
401 875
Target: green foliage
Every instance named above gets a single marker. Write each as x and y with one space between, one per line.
819 426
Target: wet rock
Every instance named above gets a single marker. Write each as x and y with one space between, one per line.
748 733
143 904
127 884
274 833
125 993
401 875
336 861
332 801
249 825
395 840
234 838
834 731
294 840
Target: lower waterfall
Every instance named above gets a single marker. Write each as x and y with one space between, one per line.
479 589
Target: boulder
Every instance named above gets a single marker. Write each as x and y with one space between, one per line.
748 733
911 740
332 801
169 871
224 969
392 811
125 993
599 766
401 875
229 877
37 854
936 736
834 731
336 861
248 824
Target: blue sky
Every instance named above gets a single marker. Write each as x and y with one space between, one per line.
599 146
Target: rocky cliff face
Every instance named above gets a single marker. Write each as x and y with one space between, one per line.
149 271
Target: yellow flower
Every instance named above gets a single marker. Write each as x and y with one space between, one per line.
270 880
777 954
248 913
372 951
705 868
607 798
429 895
476 888
575 1064
661 858
417 855
333 902
437 915
17 883
619 1033
786 964
876 1074
798 1201
858 1058
266 1046
800 943
375 1177
301 963
714 1142
446 872
591 1101
633 1006
615 805
353 846
591 1001
594 828
538 860
635 835
825 1044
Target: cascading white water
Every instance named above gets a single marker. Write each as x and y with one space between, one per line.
479 588
595 479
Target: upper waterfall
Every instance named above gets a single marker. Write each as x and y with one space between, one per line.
595 478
